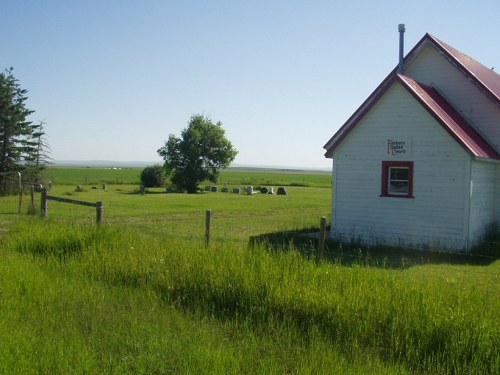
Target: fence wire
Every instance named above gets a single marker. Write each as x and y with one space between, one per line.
226 225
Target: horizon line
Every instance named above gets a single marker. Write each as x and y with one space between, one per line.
138 163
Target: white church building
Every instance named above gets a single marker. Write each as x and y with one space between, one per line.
418 163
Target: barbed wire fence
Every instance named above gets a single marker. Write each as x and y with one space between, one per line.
224 223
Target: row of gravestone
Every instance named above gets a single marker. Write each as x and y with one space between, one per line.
249 190
79 188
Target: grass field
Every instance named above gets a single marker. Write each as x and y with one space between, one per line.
142 293
233 176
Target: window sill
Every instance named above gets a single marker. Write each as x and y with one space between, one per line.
397 196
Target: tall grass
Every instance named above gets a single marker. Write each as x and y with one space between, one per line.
106 303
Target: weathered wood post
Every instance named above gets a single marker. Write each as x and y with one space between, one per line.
99 207
322 237
44 202
20 199
32 196
208 227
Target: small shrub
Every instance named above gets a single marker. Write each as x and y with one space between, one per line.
153 176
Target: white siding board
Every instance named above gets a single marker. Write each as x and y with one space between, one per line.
497 194
482 199
434 218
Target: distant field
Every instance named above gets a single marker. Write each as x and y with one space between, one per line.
233 176
92 175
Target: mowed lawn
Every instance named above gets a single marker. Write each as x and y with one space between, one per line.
143 294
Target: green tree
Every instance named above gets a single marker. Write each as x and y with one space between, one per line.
198 155
21 141
153 176
37 156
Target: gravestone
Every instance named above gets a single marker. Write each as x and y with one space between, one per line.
249 190
214 189
281 191
236 190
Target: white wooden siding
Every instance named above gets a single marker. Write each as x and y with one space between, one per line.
497 194
435 217
433 69
482 199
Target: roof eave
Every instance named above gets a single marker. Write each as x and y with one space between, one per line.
364 108
456 126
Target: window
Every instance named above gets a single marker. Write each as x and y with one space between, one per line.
397 179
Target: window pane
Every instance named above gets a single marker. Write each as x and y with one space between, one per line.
399 174
398 181
398 187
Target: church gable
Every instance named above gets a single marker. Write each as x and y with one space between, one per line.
467 89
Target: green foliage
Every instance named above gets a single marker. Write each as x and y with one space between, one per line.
38 159
21 141
153 176
198 155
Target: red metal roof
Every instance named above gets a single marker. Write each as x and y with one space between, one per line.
447 116
485 77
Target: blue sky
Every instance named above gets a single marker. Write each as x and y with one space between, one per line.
113 78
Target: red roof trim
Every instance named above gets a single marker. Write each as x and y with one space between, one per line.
485 78
345 129
449 118
435 104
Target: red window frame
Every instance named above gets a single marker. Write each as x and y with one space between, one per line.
386 166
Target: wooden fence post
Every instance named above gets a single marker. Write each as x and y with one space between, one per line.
99 207
322 237
44 202
32 195
208 227
20 185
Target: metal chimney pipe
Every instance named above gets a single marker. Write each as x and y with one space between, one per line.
401 29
